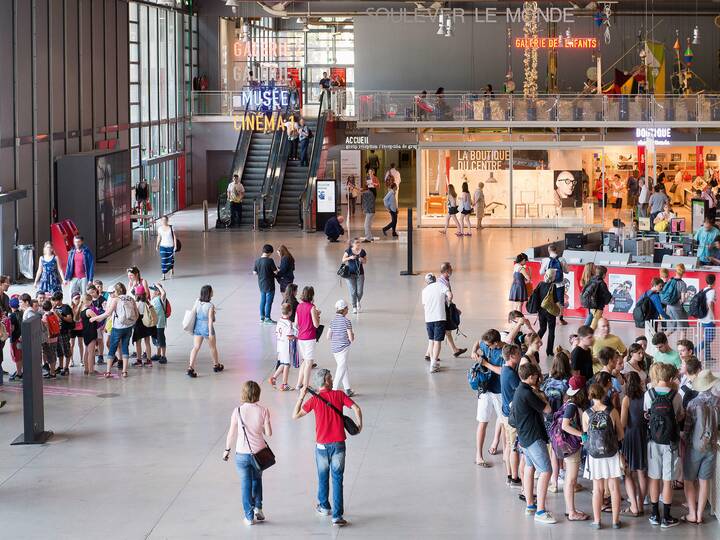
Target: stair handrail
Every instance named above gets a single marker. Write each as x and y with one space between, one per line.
237 167
306 198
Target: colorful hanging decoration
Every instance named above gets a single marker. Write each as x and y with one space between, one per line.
688 54
530 55
607 11
655 62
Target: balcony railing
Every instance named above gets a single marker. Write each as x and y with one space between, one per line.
622 110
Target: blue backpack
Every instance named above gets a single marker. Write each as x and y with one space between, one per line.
554 390
557 265
670 295
478 378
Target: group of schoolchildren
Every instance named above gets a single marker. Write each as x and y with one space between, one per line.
75 326
648 422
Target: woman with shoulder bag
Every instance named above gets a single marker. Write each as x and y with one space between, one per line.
548 310
286 273
354 258
204 328
452 210
308 326
249 425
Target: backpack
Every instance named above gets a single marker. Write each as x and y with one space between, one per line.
150 317
670 295
167 308
5 328
602 440
644 311
563 443
557 266
554 390
126 311
587 296
452 317
662 427
533 302
53 324
478 378
702 440
698 307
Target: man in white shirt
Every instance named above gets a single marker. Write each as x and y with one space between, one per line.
235 195
435 297
707 323
395 174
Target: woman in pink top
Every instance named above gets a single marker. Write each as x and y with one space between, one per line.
308 321
249 425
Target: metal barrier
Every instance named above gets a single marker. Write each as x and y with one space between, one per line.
705 339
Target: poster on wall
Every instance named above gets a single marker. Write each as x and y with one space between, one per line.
567 188
693 286
569 284
624 291
326 196
349 167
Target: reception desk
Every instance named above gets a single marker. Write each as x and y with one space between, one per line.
627 283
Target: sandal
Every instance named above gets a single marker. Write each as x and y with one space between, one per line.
272 381
686 520
577 516
108 374
125 374
493 450
285 388
629 513
218 368
484 464
191 373
606 509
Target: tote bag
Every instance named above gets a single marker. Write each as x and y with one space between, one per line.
188 322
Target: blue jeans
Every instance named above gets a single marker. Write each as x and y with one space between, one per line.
708 338
119 336
251 482
266 300
331 460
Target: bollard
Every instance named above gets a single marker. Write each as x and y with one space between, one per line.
33 408
409 271
255 215
205 215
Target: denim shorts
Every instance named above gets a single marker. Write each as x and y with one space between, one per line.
435 330
699 465
536 456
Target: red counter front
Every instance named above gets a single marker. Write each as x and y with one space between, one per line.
626 283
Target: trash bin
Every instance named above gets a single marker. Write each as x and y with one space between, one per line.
26 260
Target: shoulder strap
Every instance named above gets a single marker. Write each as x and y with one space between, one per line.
333 407
243 428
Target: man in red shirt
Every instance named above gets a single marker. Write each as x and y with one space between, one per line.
330 441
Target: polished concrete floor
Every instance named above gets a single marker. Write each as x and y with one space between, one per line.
140 458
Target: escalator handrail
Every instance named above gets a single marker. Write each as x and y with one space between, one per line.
314 162
272 175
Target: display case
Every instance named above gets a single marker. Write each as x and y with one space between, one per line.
93 190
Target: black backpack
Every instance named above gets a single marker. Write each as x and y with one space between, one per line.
663 427
587 296
533 303
602 440
698 307
452 318
644 311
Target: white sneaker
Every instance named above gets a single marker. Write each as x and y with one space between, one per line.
545 517
355 310
259 516
249 522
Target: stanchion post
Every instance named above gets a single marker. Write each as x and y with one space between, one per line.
205 215
33 407
409 271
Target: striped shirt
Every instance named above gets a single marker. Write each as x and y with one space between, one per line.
339 340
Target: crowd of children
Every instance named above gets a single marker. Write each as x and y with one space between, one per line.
81 325
615 417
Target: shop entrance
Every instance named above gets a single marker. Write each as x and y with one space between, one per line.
404 161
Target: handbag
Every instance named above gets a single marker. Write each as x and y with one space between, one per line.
344 270
319 331
188 322
348 423
178 243
263 459
549 304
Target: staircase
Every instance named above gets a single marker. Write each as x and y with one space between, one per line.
253 174
293 185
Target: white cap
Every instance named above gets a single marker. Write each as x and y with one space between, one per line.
340 305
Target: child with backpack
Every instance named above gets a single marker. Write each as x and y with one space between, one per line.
51 325
701 437
673 296
602 435
163 310
634 447
285 332
663 407
566 441
124 312
554 388
144 327
649 306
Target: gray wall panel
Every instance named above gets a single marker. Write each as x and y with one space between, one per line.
42 78
86 73
110 73
57 61
23 57
43 204
72 69
6 83
208 136
25 207
97 54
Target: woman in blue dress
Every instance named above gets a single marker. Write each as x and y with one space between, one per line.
521 277
48 278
